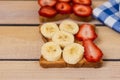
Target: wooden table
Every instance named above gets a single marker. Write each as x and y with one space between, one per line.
20 44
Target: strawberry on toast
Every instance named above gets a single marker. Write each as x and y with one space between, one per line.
82 10
86 31
62 9
52 4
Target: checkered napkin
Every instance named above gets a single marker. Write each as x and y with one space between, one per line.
109 14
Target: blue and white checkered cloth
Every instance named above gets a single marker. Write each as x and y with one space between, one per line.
109 14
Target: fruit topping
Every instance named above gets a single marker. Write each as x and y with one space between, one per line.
83 2
82 10
86 32
63 8
92 52
47 12
64 0
73 53
50 3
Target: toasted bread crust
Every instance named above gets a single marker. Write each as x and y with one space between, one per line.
62 64
85 19
65 16
56 64
56 18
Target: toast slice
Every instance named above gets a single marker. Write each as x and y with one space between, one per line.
62 64
65 16
56 18
84 19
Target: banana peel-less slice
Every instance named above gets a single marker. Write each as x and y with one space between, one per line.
49 29
69 26
73 53
51 51
63 38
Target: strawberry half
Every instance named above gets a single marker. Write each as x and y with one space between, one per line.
83 2
47 12
50 3
64 0
86 32
92 52
63 8
82 10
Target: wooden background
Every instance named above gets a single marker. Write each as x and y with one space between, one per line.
20 44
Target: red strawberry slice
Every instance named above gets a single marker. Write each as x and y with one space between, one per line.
47 2
83 2
82 10
86 32
64 0
47 12
92 52
63 8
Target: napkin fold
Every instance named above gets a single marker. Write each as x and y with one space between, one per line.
109 14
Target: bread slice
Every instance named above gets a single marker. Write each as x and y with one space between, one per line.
56 64
65 16
62 64
84 19
56 18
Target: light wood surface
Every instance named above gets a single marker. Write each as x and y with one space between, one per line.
20 47
32 71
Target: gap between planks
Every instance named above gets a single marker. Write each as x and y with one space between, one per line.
114 60
36 25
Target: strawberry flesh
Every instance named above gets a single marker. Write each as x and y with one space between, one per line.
47 12
92 52
86 31
50 3
63 8
82 10
83 2
64 0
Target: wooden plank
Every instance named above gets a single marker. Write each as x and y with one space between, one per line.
25 42
20 42
26 12
32 71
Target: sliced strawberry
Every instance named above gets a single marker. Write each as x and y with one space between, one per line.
92 52
82 10
47 12
86 32
63 8
47 2
64 0
83 2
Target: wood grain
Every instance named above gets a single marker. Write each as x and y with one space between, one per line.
26 12
25 42
32 71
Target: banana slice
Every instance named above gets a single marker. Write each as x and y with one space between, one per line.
69 26
63 38
49 29
51 51
73 53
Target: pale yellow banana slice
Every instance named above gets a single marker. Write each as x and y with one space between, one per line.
69 26
63 38
51 51
73 53
49 29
